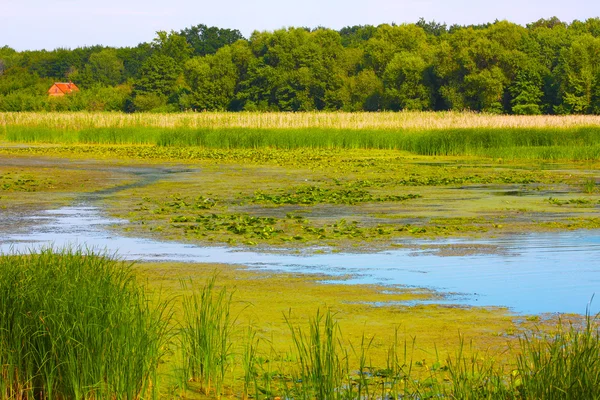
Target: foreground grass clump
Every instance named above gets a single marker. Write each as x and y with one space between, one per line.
205 336
76 326
321 360
565 365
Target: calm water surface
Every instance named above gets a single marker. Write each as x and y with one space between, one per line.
534 273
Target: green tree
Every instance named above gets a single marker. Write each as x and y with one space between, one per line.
484 90
133 59
212 80
406 83
366 92
172 45
103 68
431 27
357 35
160 83
8 58
390 40
579 68
207 40
294 70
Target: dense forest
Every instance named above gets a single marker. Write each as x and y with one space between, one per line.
547 67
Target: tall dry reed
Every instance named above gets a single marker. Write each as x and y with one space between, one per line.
280 120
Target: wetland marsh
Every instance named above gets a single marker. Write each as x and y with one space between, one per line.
476 241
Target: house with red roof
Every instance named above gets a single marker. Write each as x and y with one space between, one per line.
62 88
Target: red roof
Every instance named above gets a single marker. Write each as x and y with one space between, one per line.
66 87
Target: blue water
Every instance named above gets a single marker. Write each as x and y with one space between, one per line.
530 274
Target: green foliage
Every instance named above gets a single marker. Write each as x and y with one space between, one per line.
206 336
549 67
527 93
207 40
212 80
149 102
406 82
159 75
103 68
508 143
580 76
172 45
76 325
565 365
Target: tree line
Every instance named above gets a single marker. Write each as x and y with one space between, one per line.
546 67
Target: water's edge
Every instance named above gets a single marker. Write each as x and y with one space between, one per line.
531 274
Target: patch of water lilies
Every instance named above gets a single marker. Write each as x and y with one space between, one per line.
579 201
209 218
22 183
309 195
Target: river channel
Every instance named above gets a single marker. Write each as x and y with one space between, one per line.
530 273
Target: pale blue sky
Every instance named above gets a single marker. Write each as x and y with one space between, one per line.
39 24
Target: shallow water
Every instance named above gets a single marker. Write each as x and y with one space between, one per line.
530 274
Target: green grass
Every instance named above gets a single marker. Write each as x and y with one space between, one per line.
76 326
565 365
206 336
524 143
321 367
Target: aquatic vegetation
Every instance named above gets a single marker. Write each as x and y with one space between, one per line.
243 195
21 183
322 367
514 143
579 201
572 223
309 195
297 180
589 186
206 336
565 364
502 137
229 227
75 325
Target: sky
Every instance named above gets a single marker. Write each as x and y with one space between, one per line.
50 24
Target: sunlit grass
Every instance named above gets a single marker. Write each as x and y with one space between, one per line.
76 325
275 120
514 139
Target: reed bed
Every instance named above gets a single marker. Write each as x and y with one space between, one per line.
279 120
581 143
76 325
